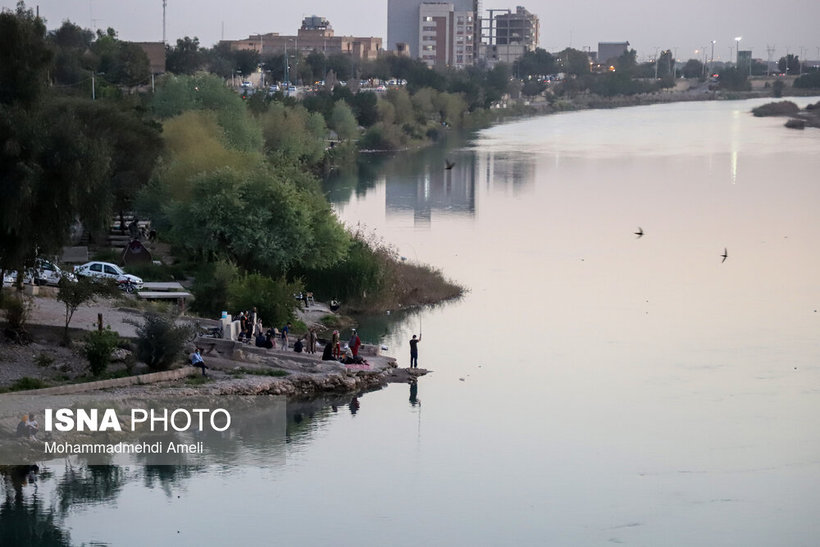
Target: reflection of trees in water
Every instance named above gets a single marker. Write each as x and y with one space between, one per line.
27 521
89 484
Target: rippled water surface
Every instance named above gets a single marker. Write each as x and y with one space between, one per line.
592 387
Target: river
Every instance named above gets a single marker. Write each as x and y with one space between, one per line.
592 387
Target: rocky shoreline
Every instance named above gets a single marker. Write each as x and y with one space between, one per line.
235 368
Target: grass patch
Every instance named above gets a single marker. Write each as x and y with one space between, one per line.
197 380
25 383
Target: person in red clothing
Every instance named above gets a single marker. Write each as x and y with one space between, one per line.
354 344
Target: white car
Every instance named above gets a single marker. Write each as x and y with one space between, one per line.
106 270
44 272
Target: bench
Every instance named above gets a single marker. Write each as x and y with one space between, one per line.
163 286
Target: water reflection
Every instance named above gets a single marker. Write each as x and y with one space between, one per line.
421 183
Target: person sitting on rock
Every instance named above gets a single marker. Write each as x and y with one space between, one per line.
197 361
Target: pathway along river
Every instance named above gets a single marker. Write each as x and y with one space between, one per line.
593 387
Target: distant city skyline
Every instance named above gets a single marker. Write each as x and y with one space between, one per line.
686 29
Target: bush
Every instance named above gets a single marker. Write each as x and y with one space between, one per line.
17 312
808 81
98 348
26 383
160 341
273 299
210 288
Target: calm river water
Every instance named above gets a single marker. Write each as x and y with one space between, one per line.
591 388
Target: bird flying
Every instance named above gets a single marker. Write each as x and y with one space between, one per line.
449 164
725 255
639 233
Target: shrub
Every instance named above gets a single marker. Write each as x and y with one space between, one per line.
210 288
98 347
273 299
26 383
160 341
17 312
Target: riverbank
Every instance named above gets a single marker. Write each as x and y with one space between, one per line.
235 368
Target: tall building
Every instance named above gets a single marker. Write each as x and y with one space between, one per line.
445 35
405 30
519 28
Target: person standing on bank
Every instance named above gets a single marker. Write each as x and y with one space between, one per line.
354 343
414 351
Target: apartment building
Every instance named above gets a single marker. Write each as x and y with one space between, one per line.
445 35
439 33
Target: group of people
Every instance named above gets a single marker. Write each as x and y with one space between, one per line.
349 354
28 427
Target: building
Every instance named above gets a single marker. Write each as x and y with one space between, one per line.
316 34
156 55
520 28
506 35
405 30
608 52
445 35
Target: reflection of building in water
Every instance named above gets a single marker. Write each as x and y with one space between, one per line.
451 191
502 171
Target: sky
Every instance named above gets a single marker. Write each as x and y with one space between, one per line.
787 26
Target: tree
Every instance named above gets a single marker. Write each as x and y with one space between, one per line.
160 341
186 57
343 121
25 58
789 64
627 62
732 79
258 220
573 61
246 61
534 63
692 69
77 293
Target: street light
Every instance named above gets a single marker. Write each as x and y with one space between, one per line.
737 50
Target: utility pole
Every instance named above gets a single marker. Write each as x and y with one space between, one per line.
164 3
712 60
769 53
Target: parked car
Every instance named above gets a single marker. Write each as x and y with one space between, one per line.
106 270
44 272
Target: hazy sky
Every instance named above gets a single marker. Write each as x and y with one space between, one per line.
787 25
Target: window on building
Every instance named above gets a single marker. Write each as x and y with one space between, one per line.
427 18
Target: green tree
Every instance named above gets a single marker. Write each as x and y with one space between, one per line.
789 64
186 57
692 69
25 58
259 221
160 340
343 121
573 61
535 63
273 299
74 294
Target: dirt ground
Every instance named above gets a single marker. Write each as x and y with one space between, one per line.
45 359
